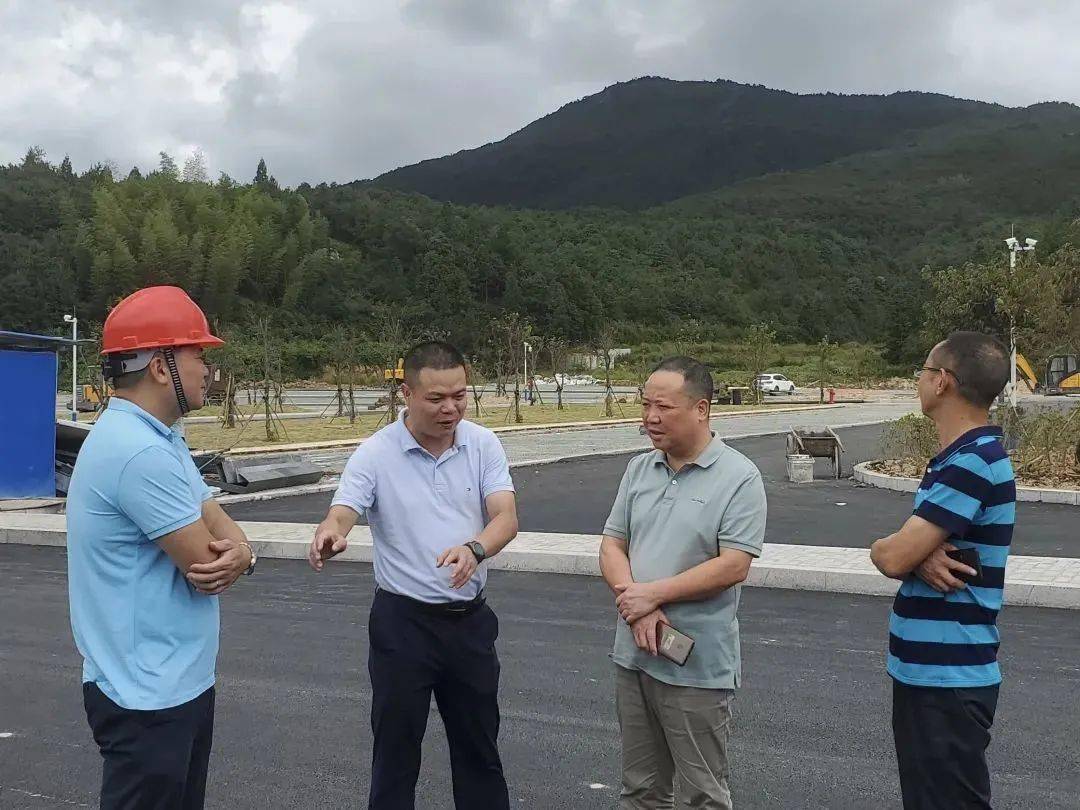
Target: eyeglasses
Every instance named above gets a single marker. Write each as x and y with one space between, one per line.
920 369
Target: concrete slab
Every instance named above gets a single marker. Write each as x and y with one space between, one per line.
36 505
1031 581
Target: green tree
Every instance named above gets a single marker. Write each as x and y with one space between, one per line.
227 267
825 352
759 345
195 168
114 274
167 166
163 250
35 156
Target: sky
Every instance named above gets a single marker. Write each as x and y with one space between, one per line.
338 90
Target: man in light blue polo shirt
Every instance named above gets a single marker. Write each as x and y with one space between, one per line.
147 553
438 496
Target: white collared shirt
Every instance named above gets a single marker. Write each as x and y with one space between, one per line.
418 506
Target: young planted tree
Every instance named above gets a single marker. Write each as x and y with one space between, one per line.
509 333
825 351
236 360
269 358
343 353
475 371
392 338
758 346
89 368
603 345
558 350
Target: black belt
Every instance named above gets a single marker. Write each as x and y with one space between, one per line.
458 608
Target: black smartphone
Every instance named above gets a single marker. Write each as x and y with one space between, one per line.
673 645
970 558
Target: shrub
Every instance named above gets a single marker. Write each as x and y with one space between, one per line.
911 438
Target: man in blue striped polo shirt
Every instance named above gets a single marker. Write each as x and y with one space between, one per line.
943 637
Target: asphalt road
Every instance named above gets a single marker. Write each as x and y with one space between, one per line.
575 497
811 721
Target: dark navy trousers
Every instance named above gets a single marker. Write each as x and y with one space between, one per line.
155 759
416 651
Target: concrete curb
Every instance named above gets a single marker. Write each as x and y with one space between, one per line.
1030 581
1063 497
226 498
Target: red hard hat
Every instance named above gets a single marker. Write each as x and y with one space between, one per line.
156 318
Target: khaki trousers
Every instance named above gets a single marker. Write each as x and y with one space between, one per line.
669 730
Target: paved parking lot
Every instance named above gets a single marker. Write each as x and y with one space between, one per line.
811 721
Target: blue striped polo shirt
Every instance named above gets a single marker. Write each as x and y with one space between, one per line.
951 639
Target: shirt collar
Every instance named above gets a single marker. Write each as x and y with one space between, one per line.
127 406
409 442
970 437
706 458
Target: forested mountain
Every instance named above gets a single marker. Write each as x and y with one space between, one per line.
653 140
834 250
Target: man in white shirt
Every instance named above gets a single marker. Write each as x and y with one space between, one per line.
438 496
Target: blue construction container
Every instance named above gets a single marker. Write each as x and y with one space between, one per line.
28 368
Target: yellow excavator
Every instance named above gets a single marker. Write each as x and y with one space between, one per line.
398 373
1062 375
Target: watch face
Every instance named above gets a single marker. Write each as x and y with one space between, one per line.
477 549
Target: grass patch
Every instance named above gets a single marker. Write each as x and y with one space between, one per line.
215 437
215 410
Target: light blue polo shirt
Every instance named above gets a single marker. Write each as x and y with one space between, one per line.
418 506
148 639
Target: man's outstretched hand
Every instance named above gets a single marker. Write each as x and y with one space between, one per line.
328 542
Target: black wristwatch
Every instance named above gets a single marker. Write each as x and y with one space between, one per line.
478 550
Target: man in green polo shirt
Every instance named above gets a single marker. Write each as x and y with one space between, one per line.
687 521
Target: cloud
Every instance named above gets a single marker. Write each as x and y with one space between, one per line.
338 90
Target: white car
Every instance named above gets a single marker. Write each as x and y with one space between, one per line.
774 384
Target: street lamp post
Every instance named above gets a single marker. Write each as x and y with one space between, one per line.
1014 247
74 365
528 389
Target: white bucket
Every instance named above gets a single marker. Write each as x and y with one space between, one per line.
800 469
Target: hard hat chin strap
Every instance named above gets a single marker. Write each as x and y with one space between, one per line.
170 361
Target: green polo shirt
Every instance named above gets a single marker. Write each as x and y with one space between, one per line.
674 521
